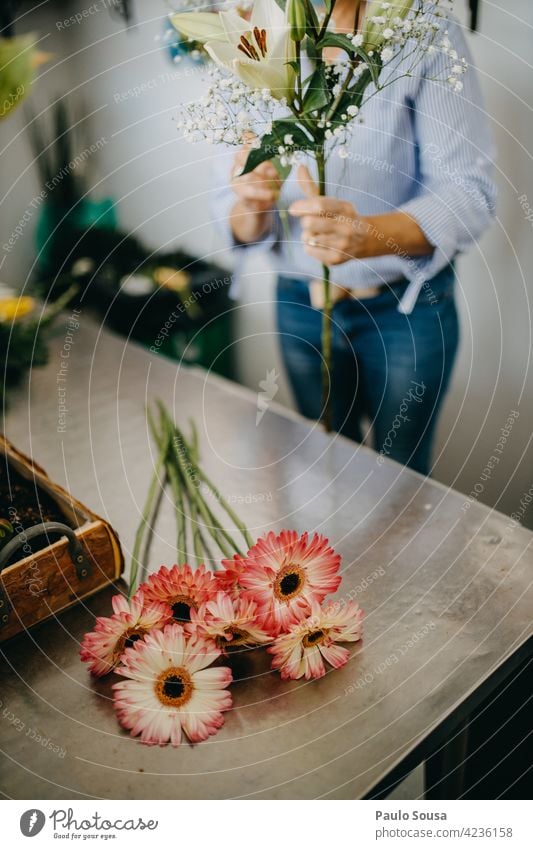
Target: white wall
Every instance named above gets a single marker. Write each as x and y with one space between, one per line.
161 186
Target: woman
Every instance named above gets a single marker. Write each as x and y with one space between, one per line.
412 191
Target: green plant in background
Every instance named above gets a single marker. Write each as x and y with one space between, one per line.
64 156
7 532
19 58
24 334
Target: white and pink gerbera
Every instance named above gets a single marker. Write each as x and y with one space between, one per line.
301 652
286 573
131 621
168 690
229 623
180 587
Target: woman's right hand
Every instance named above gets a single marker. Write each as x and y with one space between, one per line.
258 190
257 194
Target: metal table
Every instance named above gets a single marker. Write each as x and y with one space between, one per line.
446 593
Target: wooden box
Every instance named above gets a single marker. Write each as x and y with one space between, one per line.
54 565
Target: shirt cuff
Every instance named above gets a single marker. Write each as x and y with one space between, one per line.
439 230
222 213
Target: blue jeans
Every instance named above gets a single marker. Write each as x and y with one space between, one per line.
388 369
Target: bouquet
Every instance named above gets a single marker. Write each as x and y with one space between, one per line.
259 85
173 640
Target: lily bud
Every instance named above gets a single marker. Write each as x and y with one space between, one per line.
373 32
297 19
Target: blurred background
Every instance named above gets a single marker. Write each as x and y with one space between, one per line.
128 219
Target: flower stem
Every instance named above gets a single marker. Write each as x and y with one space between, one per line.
326 314
239 524
219 533
201 549
151 501
177 490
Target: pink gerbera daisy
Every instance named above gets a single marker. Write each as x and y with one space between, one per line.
181 588
285 573
169 690
301 652
131 621
228 578
229 623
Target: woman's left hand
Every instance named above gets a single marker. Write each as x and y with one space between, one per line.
332 231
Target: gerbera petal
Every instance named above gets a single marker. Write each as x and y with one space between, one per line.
336 656
286 573
212 679
158 697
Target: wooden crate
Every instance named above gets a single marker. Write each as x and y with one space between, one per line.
50 579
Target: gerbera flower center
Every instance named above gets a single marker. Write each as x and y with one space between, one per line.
239 637
314 638
254 43
128 638
174 686
181 608
289 582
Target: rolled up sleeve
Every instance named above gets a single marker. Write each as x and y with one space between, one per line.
455 194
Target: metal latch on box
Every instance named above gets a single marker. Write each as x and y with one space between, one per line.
81 564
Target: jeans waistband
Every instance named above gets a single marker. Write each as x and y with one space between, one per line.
443 280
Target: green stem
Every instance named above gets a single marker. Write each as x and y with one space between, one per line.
326 21
177 491
151 500
239 524
299 87
248 539
198 540
327 310
219 534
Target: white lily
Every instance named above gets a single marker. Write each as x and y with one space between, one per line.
258 51
199 26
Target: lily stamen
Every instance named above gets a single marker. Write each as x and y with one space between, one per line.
248 49
261 40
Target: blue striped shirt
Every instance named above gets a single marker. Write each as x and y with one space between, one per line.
422 148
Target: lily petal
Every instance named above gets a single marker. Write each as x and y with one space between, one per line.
234 25
200 26
223 54
266 14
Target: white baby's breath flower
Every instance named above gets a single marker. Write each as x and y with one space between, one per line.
357 40
386 54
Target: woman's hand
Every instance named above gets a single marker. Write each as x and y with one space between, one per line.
332 231
257 194
258 191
